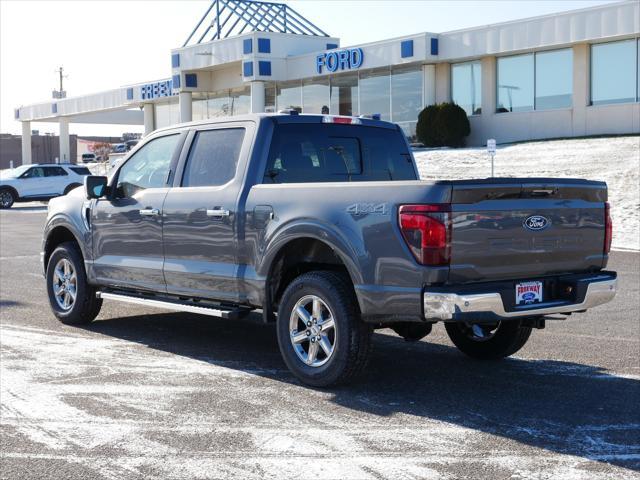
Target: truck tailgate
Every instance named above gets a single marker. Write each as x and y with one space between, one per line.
526 228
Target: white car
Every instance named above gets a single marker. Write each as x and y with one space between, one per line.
39 182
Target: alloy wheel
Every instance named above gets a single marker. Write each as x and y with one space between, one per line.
312 331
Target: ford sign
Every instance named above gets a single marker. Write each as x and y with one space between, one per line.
340 60
536 222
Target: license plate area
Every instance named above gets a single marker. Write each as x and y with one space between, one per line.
528 293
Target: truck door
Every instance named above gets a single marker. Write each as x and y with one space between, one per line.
201 216
127 226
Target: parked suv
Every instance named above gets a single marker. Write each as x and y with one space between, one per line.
27 183
321 223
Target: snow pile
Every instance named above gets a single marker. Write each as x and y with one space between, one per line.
613 160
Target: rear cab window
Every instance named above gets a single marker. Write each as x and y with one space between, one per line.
81 170
309 152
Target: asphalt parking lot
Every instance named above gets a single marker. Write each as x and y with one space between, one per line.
143 393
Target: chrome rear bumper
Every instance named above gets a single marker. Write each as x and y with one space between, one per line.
453 306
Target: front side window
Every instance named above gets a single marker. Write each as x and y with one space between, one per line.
466 86
515 83
554 79
148 167
213 157
35 172
613 72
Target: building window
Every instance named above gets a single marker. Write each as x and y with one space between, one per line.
264 45
289 95
316 95
515 83
554 79
614 72
406 97
466 86
375 93
344 94
270 97
240 101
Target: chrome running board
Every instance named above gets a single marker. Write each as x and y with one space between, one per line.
169 305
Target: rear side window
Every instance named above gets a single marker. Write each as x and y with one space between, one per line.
81 170
54 172
337 153
213 157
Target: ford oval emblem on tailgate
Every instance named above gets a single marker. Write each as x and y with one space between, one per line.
536 222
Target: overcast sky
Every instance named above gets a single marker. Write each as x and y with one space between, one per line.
106 44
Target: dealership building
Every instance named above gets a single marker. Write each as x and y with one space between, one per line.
569 74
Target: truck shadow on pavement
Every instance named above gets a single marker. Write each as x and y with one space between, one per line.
562 407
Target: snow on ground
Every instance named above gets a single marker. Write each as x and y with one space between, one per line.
615 160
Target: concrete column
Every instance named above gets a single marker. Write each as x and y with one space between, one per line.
429 85
26 143
65 148
186 107
257 97
149 119
581 88
488 85
443 82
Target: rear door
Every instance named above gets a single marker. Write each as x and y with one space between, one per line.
127 226
56 180
201 217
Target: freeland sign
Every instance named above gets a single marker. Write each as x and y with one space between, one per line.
339 60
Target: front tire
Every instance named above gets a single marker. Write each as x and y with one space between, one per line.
7 198
72 300
489 341
322 339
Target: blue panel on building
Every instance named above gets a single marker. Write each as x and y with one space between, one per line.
247 46
434 46
17 113
406 49
264 45
247 69
54 108
331 46
175 60
176 81
191 80
264 68
129 93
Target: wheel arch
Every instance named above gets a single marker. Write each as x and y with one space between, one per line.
57 233
298 251
12 189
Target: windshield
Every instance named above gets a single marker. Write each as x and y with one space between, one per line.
15 172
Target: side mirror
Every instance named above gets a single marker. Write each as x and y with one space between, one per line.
95 186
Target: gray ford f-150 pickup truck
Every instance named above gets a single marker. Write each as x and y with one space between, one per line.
322 223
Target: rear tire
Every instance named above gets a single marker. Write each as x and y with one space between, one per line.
499 342
7 198
340 348
72 300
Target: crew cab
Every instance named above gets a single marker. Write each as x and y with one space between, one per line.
321 224
28 183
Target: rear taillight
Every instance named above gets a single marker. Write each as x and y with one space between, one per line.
608 228
427 231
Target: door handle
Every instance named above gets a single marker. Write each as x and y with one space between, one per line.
149 212
217 212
